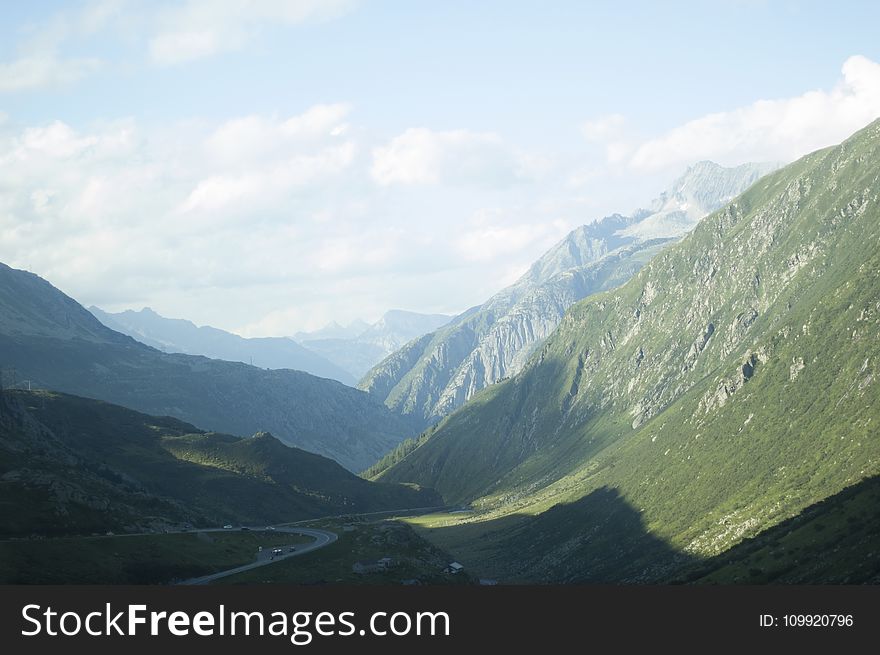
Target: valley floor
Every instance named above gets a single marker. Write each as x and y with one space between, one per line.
835 541
198 556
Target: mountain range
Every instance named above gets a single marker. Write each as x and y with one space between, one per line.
437 373
359 346
49 339
729 385
662 397
182 336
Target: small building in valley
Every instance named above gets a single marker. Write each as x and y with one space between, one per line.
372 565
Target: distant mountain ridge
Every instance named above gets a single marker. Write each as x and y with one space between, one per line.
433 376
50 339
182 336
359 346
334 330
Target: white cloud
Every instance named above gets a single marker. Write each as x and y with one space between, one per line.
254 189
124 216
175 47
255 161
769 130
97 15
603 128
258 137
44 70
56 140
40 62
181 32
201 28
497 234
457 157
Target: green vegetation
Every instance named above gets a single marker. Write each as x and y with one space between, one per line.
725 388
414 558
396 455
53 341
72 465
835 541
136 559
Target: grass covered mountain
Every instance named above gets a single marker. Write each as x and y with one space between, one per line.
50 339
729 385
71 465
360 346
434 375
181 336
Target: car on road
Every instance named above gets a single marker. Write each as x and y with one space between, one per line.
245 529
269 527
277 551
227 527
292 549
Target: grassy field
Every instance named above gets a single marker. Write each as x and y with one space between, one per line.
414 558
466 538
140 559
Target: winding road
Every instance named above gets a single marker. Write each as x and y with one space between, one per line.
322 538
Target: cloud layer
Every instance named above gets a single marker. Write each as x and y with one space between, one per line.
202 28
460 157
269 223
768 130
164 33
263 223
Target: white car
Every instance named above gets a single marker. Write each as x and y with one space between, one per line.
227 527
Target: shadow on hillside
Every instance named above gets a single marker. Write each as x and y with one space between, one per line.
833 541
601 538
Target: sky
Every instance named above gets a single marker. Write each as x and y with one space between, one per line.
269 166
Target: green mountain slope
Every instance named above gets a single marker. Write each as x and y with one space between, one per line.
50 339
731 383
71 465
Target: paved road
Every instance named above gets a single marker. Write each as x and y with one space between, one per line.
322 538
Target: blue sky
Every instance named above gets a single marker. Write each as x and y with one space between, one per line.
268 166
